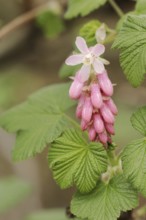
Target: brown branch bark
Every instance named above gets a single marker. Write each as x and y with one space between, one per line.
21 20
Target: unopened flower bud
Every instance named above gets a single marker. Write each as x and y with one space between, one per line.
76 87
96 96
84 125
92 133
103 138
105 84
110 128
87 110
107 114
98 123
112 106
80 107
101 34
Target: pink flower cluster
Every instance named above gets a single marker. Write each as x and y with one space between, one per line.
92 87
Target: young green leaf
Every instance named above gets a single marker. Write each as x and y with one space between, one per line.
138 120
39 121
106 201
50 23
134 164
82 7
131 41
88 32
12 192
75 161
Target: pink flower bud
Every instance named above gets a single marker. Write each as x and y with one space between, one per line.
112 106
103 138
107 114
84 125
110 129
96 96
87 110
80 107
105 84
98 124
75 89
92 134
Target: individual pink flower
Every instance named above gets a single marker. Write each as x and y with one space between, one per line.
89 57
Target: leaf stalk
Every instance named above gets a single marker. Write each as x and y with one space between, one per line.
117 9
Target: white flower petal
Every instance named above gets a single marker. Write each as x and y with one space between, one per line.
85 72
104 61
98 66
81 45
74 60
98 49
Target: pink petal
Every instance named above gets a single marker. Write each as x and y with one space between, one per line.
98 66
96 96
74 60
98 49
85 72
81 45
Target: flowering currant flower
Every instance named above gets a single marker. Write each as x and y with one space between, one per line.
89 57
93 88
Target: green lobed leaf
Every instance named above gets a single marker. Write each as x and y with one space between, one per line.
50 23
106 201
52 214
141 7
88 31
131 41
82 7
134 164
38 121
12 192
138 120
123 19
75 161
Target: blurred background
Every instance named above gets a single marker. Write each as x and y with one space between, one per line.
33 47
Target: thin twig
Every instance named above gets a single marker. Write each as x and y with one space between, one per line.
116 8
21 20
